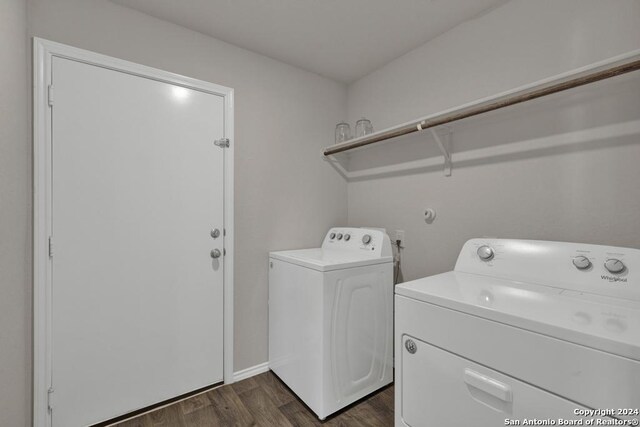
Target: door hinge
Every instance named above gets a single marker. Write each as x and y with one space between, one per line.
222 143
50 399
50 95
50 247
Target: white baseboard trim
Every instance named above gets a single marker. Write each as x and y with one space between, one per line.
250 371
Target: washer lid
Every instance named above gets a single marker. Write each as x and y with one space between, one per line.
328 259
605 323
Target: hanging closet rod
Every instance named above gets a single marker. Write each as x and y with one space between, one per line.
578 78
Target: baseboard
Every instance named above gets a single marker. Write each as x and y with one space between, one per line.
250 371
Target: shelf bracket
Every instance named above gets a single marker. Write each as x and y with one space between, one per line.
336 165
445 148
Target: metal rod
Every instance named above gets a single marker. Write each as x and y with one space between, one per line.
485 107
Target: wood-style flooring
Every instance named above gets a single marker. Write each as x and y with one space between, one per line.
263 400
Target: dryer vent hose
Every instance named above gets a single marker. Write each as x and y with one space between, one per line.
396 261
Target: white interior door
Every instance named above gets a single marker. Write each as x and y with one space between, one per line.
137 300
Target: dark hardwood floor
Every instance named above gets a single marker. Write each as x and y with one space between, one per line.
263 400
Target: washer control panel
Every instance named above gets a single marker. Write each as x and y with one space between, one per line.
369 240
603 270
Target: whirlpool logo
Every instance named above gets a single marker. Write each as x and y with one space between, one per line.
613 279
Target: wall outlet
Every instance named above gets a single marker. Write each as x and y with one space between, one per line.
400 236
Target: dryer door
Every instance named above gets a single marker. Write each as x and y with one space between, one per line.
440 389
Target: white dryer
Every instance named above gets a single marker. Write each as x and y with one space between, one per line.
521 329
331 318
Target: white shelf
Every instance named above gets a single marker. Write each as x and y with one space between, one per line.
602 70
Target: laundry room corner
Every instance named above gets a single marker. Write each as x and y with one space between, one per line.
362 213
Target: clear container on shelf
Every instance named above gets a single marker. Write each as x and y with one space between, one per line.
363 127
343 132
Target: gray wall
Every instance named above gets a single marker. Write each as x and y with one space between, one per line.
585 193
15 217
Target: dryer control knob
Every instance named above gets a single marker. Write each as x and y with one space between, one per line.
339 236
614 266
581 262
366 239
332 235
485 253
347 237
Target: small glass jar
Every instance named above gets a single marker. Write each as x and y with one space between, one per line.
363 127
343 132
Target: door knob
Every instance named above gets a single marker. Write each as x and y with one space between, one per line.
215 253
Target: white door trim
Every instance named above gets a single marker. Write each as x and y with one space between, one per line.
43 53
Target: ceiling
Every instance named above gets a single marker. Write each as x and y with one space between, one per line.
340 39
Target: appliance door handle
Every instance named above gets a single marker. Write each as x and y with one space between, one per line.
488 385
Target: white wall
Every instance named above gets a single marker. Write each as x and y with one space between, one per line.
286 196
15 217
587 193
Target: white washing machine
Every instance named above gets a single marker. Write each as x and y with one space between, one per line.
331 318
521 329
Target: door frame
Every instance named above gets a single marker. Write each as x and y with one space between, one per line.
43 53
